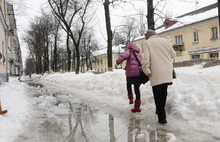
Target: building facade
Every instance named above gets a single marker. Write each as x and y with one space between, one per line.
100 59
10 53
194 35
3 39
14 51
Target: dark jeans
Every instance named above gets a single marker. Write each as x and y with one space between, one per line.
160 97
136 90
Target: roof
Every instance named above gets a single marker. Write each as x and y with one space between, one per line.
115 49
201 10
205 13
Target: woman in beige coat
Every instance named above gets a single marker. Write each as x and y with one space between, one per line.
157 64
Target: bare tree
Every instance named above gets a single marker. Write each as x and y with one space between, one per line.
29 66
54 54
141 28
88 45
118 38
127 31
130 29
73 16
38 39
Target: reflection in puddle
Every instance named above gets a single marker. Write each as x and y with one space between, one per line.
84 123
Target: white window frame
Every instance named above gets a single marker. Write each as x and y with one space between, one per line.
214 33
196 37
179 40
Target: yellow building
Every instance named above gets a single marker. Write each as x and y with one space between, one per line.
194 35
100 60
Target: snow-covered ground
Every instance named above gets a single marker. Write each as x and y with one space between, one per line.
193 99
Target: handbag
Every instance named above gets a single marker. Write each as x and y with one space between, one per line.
144 78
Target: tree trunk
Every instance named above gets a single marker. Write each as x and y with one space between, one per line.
78 59
55 54
47 55
68 51
150 14
109 34
90 62
73 63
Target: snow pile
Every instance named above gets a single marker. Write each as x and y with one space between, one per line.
15 101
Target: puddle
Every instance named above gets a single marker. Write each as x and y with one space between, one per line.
63 117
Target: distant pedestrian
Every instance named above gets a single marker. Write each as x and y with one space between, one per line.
157 64
19 78
133 72
30 75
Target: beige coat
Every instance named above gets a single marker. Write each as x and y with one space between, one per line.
157 60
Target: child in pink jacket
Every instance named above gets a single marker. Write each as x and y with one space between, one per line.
133 73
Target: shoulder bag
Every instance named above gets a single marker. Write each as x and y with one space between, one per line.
144 78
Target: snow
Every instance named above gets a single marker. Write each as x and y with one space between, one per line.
190 19
187 20
194 98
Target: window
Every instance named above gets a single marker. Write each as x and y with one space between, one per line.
195 37
105 60
214 56
101 60
214 33
195 57
179 40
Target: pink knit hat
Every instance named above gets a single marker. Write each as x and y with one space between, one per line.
149 33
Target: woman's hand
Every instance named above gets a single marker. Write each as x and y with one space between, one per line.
116 65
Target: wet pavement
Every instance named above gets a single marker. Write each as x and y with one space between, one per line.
66 117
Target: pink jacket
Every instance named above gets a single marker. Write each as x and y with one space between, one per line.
132 67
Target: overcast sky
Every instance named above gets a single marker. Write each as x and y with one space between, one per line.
175 8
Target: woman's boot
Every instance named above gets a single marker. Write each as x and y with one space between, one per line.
136 106
130 97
